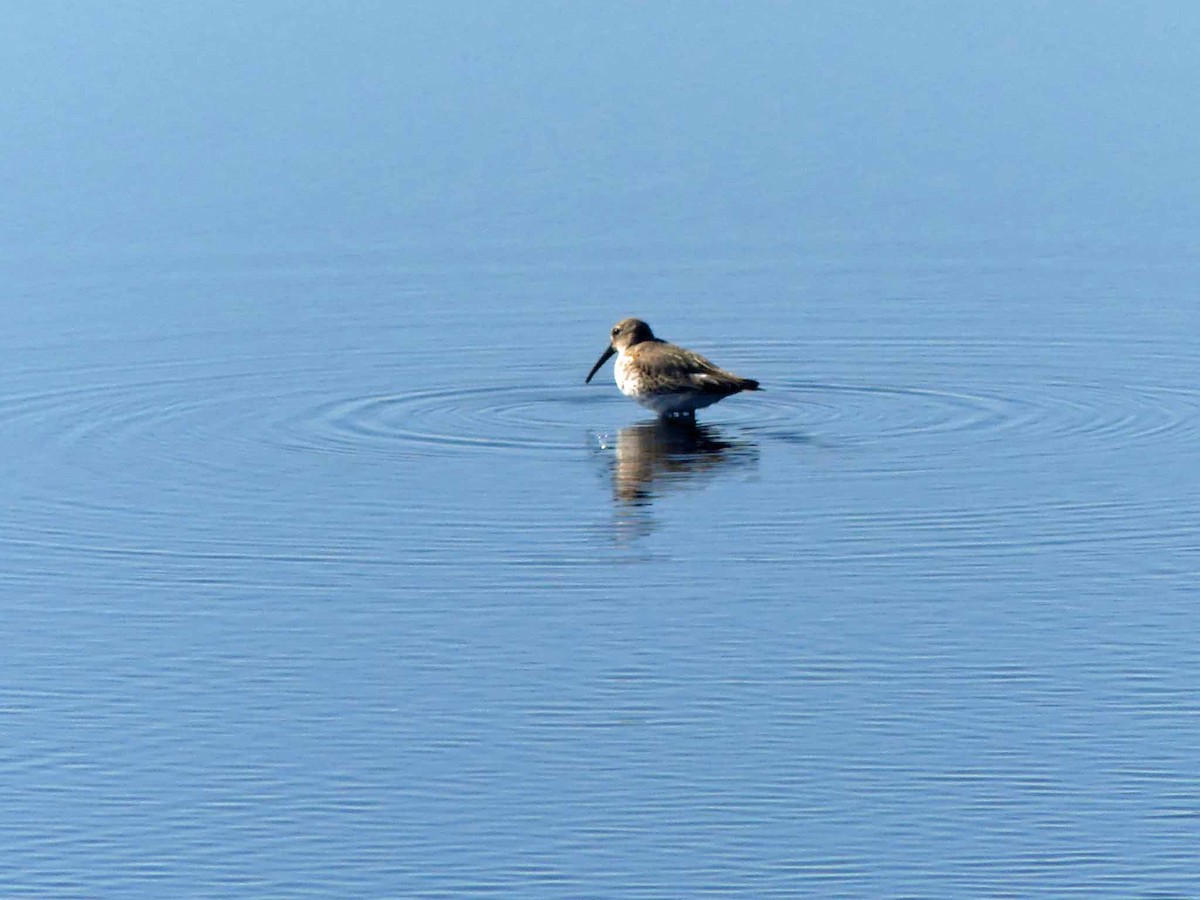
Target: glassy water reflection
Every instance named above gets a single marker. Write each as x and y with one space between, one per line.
656 457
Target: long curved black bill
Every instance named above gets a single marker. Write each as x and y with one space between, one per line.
608 351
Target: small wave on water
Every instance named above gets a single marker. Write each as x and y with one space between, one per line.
547 419
494 418
223 433
953 394
303 403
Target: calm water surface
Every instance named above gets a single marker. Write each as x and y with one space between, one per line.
325 571
323 574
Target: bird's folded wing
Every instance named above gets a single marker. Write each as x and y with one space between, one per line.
680 369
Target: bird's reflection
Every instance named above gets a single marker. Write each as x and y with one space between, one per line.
652 458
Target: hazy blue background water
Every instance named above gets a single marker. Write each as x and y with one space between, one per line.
323 574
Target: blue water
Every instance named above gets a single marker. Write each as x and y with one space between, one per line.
322 572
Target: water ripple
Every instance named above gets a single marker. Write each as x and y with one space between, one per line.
294 403
520 418
223 435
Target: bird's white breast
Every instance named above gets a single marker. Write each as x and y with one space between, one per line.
627 377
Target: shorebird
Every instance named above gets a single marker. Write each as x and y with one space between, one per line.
670 380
